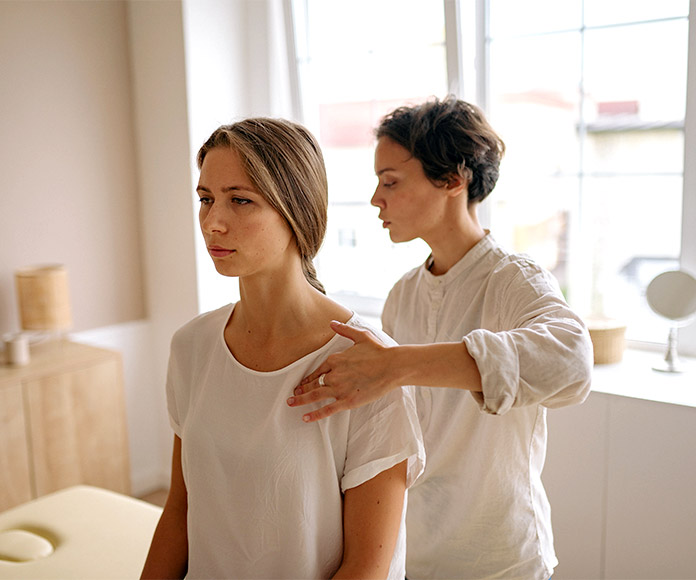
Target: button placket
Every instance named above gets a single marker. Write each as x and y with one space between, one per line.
435 295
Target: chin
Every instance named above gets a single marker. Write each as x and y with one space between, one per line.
399 239
225 270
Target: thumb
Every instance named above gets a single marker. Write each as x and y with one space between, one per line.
347 331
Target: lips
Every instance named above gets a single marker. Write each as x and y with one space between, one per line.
219 252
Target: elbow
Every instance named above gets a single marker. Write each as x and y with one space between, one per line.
585 360
579 362
569 379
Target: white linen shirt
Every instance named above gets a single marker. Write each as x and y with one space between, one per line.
265 488
480 509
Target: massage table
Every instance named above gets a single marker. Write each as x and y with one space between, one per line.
81 532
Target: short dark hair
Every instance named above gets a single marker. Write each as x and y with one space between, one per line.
449 137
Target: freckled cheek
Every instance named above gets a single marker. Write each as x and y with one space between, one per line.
256 237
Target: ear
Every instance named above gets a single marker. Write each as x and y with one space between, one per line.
456 185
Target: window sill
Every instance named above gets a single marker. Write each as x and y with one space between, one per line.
634 377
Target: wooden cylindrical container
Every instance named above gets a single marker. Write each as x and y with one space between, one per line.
608 340
44 298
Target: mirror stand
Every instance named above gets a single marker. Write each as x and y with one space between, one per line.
671 361
672 295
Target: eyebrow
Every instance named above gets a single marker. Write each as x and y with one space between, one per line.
226 189
378 173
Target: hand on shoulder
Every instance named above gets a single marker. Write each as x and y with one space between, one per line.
352 378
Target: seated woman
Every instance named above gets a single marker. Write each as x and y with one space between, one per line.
255 492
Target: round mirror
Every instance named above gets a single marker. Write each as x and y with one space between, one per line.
673 295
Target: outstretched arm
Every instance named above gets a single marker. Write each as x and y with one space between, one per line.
168 555
371 520
369 370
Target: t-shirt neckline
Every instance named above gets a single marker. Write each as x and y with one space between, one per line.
282 370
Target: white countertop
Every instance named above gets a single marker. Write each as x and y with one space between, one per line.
634 377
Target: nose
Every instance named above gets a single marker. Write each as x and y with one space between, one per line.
377 199
211 219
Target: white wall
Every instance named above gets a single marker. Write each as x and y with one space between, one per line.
96 175
156 45
69 190
71 193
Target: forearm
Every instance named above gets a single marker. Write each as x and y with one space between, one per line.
370 369
445 364
168 555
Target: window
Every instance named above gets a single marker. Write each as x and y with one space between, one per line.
356 63
589 96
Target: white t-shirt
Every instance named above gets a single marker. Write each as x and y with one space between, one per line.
265 488
480 509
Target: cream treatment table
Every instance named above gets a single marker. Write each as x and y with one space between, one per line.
91 534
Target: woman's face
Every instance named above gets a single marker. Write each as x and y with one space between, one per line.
244 234
410 205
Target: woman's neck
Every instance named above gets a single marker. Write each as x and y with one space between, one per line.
276 305
454 239
277 322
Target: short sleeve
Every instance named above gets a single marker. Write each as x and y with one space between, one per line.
173 379
179 370
381 435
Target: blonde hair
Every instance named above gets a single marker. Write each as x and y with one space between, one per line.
285 163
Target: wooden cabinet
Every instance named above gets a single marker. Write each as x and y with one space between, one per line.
62 423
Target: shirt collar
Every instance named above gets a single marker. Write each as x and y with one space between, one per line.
485 245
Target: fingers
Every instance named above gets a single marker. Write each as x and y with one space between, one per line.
350 332
355 334
312 396
322 413
322 370
318 394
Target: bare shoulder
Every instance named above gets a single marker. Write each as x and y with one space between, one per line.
332 310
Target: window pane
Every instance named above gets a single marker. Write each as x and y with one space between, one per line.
358 61
633 226
534 100
513 17
603 12
533 215
635 83
634 150
364 50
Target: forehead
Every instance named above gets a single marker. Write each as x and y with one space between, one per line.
390 156
223 163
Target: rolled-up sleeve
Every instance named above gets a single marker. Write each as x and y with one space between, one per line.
540 352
